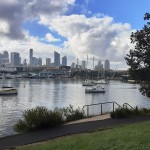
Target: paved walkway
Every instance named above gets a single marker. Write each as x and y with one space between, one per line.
78 127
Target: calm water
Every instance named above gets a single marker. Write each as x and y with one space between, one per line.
60 93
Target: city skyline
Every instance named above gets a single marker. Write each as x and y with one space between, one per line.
100 29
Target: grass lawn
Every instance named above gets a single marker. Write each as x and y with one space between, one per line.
128 137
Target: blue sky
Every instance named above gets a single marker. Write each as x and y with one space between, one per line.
99 28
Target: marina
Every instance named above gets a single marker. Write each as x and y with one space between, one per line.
53 93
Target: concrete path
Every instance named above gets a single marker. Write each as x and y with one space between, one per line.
43 135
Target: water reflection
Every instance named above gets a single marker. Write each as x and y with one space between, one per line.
60 93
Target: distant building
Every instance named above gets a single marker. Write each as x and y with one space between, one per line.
15 59
31 57
73 65
35 61
56 59
48 61
5 57
100 66
25 62
83 64
107 64
40 62
64 61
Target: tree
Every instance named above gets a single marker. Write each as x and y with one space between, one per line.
139 58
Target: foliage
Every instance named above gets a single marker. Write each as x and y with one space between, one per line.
139 58
38 118
126 112
41 117
126 137
72 114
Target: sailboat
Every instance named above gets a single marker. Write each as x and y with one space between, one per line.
7 90
88 82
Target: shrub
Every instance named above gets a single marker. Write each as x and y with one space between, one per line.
41 117
72 114
38 118
126 112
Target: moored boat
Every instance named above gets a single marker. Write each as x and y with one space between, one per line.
102 81
95 89
8 91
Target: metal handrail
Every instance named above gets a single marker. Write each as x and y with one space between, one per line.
113 102
126 104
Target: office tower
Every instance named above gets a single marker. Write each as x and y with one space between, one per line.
5 58
1 58
83 64
31 57
56 59
40 61
15 59
72 65
35 61
107 64
25 62
48 61
5 54
64 61
100 65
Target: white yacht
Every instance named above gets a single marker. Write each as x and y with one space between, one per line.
8 91
102 81
88 83
95 89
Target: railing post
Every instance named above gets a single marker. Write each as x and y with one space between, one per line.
113 107
101 109
87 111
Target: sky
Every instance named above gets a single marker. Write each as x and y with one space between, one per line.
75 28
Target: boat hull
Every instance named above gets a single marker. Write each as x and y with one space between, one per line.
91 91
9 92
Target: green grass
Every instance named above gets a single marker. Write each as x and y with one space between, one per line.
128 137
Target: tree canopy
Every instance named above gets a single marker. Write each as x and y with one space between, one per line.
139 58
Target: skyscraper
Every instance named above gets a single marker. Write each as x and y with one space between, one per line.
48 61
64 61
31 57
100 65
15 59
5 58
56 59
107 64
83 64
40 61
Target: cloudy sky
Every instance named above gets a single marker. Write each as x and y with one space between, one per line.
76 28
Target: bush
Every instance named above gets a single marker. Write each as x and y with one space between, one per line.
41 118
38 118
72 114
126 112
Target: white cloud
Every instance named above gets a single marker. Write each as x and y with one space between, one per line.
98 37
16 12
22 46
50 38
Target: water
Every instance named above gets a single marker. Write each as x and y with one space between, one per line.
60 93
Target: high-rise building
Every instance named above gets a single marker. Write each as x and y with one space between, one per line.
5 57
100 65
64 61
31 57
40 61
83 64
56 59
15 59
25 62
107 64
48 61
